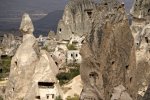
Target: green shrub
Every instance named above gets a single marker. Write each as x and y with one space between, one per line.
5 63
58 98
1 98
76 97
65 77
71 47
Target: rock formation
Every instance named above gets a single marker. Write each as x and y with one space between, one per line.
140 9
9 44
31 68
76 18
74 87
108 55
141 31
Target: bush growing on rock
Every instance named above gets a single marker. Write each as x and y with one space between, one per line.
71 47
76 97
65 77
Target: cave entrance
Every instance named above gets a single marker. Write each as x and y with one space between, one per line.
60 30
89 12
47 90
46 84
146 39
148 11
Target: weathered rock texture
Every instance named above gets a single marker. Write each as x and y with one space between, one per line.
74 87
29 66
108 66
141 31
76 18
141 8
9 44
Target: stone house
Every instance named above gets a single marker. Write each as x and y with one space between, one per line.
47 91
73 56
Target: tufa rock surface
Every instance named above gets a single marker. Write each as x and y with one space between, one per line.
141 31
76 18
29 66
108 65
9 44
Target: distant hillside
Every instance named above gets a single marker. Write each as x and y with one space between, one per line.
42 26
48 23
12 10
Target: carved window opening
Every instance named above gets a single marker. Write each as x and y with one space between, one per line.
16 63
47 96
105 3
127 67
38 97
113 62
130 79
1 70
89 12
52 95
146 39
93 77
13 89
76 55
56 63
71 55
46 84
148 11
60 30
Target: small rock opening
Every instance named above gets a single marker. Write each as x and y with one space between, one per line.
93 77
127 67
46 84
106 4
113 62
16 63
76 55
1 70
71 55
148 11
13 89
89 12
56 63
60 30
146 39
38 97
130 79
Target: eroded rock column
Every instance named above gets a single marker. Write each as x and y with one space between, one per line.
108 67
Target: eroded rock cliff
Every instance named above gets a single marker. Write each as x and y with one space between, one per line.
76 18
31 69
141 31
108 66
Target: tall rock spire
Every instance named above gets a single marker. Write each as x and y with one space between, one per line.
108 57
26 26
